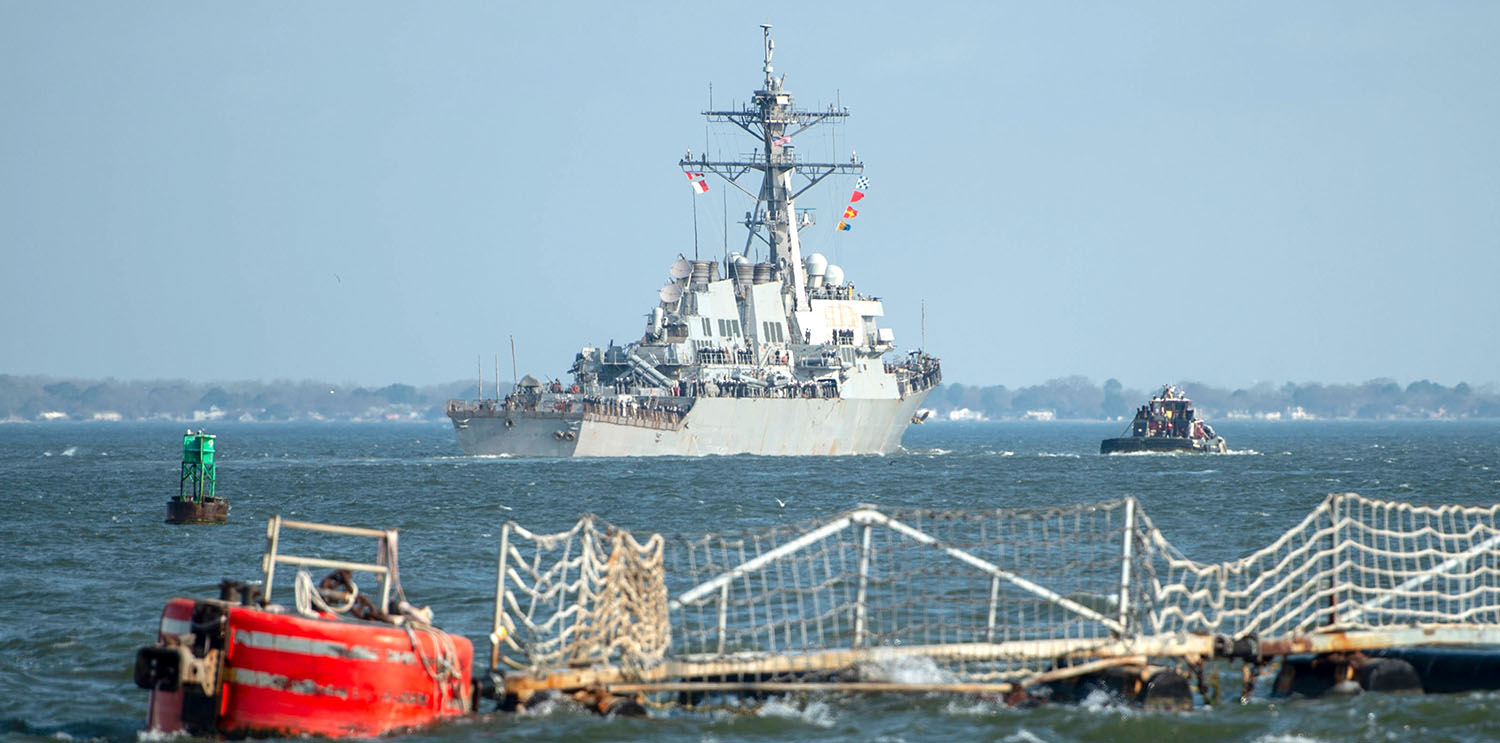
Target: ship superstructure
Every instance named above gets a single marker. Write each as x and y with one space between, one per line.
776 357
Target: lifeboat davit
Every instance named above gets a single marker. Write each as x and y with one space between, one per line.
336 665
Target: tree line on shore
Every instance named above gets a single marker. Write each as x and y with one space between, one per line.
1078 398
33 398
41 398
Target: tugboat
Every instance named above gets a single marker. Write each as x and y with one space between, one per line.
1166 424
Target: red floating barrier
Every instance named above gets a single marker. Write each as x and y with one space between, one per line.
237 666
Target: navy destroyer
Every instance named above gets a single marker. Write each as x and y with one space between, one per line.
1167 423
780 357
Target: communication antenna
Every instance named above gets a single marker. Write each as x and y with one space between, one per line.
694 196
924 325
479 365
497 376
514 380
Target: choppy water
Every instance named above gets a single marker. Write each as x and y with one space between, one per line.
86 562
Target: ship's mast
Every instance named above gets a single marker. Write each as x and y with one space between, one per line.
775 121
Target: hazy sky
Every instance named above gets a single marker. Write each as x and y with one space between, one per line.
378 192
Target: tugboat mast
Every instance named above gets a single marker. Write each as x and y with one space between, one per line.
774 120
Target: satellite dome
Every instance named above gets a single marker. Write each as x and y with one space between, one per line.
815 263
681 269
670 293
833 275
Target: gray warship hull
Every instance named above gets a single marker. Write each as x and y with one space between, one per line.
773 427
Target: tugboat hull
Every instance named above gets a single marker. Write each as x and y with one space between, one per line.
1136 444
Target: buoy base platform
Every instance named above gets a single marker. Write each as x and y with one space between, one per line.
206 511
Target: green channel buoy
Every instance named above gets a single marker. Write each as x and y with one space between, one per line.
196 502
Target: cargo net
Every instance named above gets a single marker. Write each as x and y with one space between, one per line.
1352 564
926 582
589 595
968 597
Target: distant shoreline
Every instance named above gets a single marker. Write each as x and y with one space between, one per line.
43 399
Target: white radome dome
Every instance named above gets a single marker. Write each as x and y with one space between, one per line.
833 275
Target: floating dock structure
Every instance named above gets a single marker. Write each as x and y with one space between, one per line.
1027 605
195 502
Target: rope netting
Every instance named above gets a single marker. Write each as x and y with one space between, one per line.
980 596
590 595
1353 563
904 578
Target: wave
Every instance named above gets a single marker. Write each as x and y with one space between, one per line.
907 670
90 730
816 712
158 736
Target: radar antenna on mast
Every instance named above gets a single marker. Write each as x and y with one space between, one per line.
770 49
774 120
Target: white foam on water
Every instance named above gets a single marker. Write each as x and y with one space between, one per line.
972 707
906 670
1286 738
815 713
70 451
1066 454
546 707
1099 700
1022 735
157 736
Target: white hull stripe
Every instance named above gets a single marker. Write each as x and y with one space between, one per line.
170 626
303 645
278 682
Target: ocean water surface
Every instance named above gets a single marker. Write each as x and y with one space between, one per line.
86 562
